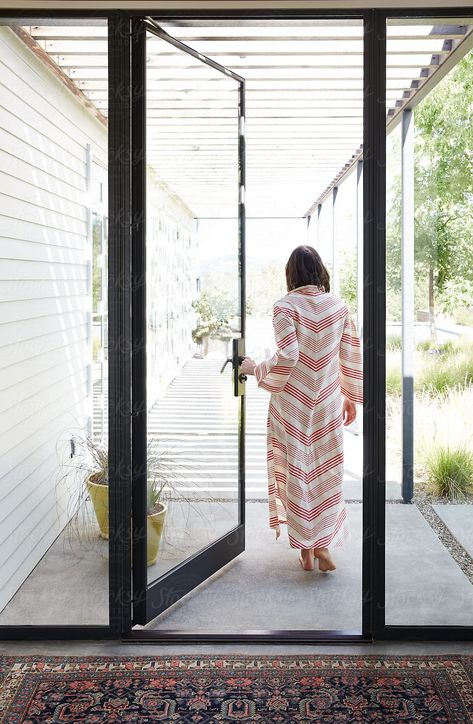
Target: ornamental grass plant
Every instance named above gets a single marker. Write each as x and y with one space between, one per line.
449 471
443 440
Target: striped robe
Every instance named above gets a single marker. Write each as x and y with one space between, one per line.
318 359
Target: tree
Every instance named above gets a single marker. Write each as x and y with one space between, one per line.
266 283
215 310
443 193
444 183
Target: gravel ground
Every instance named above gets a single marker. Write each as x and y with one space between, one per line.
459 554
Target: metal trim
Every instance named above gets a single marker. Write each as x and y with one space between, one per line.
119 304
149 600
30 15
242 299
138 153
56 633
152 26
407 297
426 633
374 325
301 636
193 571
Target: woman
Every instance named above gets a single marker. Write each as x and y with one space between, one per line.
317 361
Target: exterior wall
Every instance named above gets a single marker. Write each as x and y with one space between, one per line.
171 286
47 212
45 300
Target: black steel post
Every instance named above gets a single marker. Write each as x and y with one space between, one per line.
374 321
138 322
407 277
119 304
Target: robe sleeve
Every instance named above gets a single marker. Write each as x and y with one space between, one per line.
272 374
351 360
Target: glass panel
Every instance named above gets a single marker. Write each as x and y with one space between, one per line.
53 350
192 305
429 359
303 126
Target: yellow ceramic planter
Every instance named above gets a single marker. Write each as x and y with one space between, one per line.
154 533
99 497
155 524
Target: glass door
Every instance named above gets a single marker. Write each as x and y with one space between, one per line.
188 319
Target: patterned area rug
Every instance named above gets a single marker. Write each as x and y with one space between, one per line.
236 688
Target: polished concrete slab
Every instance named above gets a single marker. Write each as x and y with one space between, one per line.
424 585
69 585
266 588
459 521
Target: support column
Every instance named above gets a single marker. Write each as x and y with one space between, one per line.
359 248
319 211
407 282
120 333
335 280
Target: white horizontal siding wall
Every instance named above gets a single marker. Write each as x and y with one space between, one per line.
45 301
171 254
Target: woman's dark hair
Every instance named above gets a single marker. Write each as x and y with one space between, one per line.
304 267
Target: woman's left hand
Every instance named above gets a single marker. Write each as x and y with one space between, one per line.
247 367
348 411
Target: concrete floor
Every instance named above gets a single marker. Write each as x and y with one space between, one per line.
458 519
266 588
424 586
68 586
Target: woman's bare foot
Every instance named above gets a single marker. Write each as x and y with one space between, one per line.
325 561
306 559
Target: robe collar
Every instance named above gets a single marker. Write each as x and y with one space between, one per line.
309 290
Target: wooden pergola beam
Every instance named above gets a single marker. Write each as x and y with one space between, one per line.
420 87
43 56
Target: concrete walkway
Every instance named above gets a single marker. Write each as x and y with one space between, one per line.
459 520
424 585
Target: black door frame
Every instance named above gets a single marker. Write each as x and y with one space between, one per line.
151 599
121 289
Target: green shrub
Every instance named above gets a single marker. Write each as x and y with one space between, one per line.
450 347
437 378
437 369
424 346
393 342
450 369
449 471
393 378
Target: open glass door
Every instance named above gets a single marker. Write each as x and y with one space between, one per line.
188 319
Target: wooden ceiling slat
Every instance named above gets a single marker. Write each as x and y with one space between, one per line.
325 48
252 122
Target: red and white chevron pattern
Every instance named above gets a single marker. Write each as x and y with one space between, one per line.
318 358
